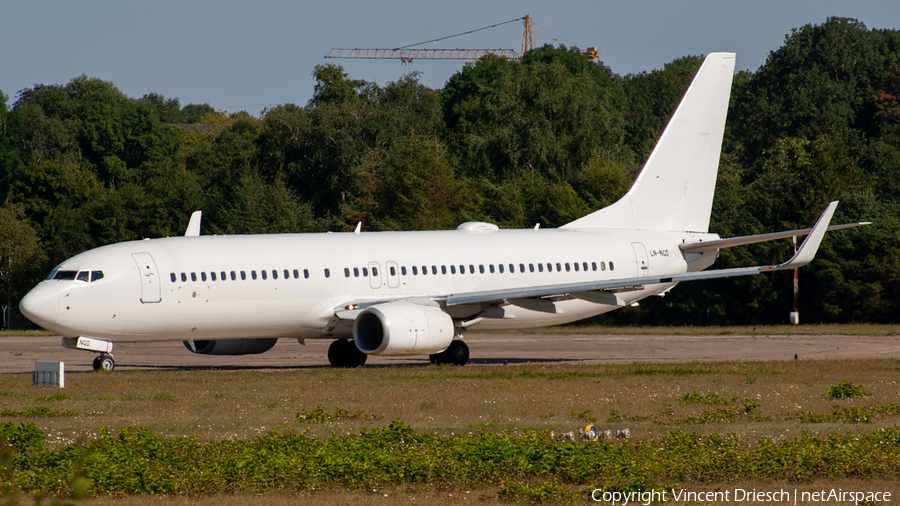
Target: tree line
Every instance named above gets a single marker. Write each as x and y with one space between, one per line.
543 140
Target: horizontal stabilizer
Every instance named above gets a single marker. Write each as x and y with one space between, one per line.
699 247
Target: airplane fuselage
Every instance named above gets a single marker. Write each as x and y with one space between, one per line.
292 285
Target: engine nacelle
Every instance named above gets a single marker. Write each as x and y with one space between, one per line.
402 329
231 346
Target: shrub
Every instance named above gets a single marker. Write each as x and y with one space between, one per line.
846 390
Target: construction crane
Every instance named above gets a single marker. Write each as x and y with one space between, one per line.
406 54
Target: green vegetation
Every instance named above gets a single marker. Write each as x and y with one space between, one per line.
846 390
527 466
315 433
709 398
546 139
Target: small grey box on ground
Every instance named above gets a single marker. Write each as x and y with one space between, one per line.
51 374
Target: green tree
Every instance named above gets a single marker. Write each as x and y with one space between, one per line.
20 252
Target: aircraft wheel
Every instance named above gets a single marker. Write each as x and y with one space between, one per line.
104 363
336 356
457 353
344 353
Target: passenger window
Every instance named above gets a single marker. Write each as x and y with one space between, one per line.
443 269
540 267
471 269
567 266
243 276
233 277
424 270
549 267
213 275
594 266
558 267
327 273
584 265
415 270
452 269
174 279
306 273
521 267
531 267
611 266
287 274
84 276
263 272
224 277
393 271
253 274
365 272
374 271
183 277
491 268
512 269
356 272
576 266
275 274
296 274
403 270
346 272
193 276
462 269
481 268
500 266
602 266
202 276
433 269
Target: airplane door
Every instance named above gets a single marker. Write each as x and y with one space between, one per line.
150 289
393 274
374 275
640 257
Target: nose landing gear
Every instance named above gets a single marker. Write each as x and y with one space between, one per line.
105 362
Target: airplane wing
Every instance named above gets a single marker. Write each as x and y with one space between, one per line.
604 291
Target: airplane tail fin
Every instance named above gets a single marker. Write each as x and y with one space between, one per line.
674 191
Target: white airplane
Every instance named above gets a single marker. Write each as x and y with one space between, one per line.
414 293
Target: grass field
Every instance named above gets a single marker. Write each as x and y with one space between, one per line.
750 402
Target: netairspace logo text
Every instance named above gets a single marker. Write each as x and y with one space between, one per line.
647 497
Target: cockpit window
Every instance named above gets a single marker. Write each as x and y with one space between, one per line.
65 275
84 276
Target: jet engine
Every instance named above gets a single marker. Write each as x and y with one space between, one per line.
231 346
402 329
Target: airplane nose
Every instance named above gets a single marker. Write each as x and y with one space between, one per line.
41 304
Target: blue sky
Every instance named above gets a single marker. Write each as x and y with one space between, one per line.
248 55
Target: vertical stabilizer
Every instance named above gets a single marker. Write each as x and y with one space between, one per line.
674 191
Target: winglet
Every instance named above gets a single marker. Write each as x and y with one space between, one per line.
810 245
193 229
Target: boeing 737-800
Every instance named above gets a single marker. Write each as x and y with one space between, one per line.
414 293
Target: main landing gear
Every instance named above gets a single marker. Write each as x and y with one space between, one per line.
344 353
105 362
455 354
